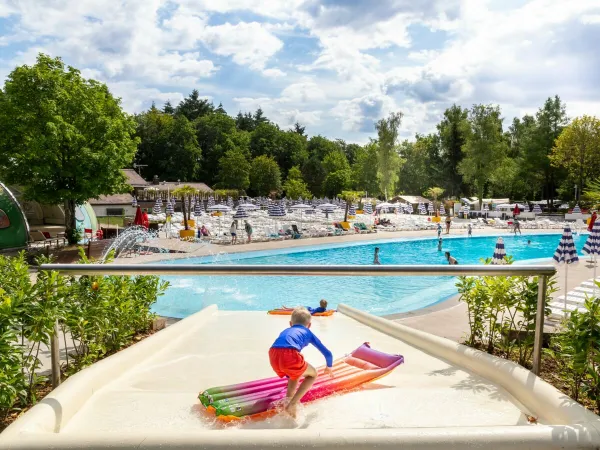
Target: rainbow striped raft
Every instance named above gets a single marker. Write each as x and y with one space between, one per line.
258 399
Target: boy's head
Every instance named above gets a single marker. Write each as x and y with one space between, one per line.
447 255
300 316
323 303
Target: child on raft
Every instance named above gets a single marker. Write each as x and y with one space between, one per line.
287 361
321 309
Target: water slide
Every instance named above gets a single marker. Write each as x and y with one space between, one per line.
444 396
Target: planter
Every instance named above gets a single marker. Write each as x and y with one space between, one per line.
191 223
187 234
436 219
359 211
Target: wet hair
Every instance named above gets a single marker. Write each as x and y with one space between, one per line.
447 254
300 316
376 249
323 303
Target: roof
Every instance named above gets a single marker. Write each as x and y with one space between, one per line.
116 199
411 198
133 178
170 185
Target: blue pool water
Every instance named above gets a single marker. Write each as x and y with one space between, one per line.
377 295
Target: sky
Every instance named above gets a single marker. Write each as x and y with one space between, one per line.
335 66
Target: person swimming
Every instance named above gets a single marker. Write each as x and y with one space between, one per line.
440 244
451 259
376 257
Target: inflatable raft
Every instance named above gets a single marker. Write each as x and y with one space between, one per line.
259 399
288 312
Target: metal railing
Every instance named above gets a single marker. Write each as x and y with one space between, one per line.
542 271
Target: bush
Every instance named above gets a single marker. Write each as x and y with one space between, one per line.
102 313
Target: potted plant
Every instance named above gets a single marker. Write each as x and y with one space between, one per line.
185 194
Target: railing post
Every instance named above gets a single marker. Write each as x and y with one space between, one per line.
539 325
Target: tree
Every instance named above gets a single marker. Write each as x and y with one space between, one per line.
453 130
335 161
259 117
299 129
244 122
351 151
265 176
336 182
168 146
294 186
388 161
168 108
577 149
185 194
220 109
349 197
193 106
413 177
314 174
484 149
290 150
64 138
434 193
234 171
264 140
364 169
319 146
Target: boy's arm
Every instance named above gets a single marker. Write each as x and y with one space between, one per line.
324 350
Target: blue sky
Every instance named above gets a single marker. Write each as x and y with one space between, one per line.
336 66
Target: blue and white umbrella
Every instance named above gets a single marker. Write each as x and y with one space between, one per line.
499 252
210 202
576 210
592 245
537 209
240 214
159 201
170 209
566 253
466 210
486 208
422 209
198 208
156 209
409 208
277 211
134 202
442 210
230 202
352 211
368 208
430 208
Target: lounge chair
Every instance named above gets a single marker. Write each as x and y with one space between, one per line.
39 237
296 230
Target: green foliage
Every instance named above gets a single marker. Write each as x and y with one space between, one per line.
485 148
294 186
64 138
185 194
192 107
452 131
335 161
234 170
314 174
265 176
264 140
168 146
388 161
502 312
336 182
364 169
103 314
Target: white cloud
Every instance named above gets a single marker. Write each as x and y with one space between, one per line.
360 114
273 73
303 92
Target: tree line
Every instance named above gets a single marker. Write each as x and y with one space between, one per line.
64 139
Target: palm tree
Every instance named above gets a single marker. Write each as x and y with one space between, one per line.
185 194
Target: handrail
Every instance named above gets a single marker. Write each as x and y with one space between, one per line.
543 271
300 270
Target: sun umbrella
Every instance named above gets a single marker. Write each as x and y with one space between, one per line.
247 206
537 209
210 202
592 246
170 210
499 252
220 208
352 210
442 210
576 210
138 220
409 208
430 208
422 209
328 206
156 209
159 201
240 213
198 209
516 211
134 202
368 208
566 253
230 202
385 205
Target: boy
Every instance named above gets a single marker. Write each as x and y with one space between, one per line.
321 309
470 230
286 359
439 229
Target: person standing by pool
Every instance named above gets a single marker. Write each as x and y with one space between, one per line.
517 226
233 232
448 223
440 244
592 221
248 228
451 259
439 229
376 257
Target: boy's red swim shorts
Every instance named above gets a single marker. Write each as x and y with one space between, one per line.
287 362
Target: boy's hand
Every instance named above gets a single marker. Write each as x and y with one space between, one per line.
328 371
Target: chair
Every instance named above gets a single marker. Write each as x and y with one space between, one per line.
37 236
296 230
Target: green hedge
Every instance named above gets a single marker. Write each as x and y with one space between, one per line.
102 314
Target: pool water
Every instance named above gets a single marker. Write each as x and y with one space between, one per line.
377 295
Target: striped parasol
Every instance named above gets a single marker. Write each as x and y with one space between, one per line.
229 202
409 208
368 208
240 213
442 210
566 253
198 208
430 208
592 245
422 209
486 208
210 202
499 252
170 210
276 211
537 209
134 202
156 209
576 210
159 201
352 210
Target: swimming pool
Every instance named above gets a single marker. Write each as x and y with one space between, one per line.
377 295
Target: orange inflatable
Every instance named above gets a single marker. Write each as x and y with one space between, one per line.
288 312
